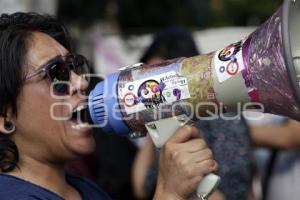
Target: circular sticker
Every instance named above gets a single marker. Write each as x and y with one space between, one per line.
168 94
232 68
222 69
129 99
150 93
130 87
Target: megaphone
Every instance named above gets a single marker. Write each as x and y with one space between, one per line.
262 70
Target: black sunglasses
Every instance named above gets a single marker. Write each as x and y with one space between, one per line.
58 70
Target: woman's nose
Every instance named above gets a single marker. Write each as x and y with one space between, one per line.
78 83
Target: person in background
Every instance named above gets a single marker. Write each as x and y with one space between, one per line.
281 175
229 139
39 132
284 135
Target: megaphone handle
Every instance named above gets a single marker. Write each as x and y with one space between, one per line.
207 185
161 130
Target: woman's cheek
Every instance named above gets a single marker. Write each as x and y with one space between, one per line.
60 111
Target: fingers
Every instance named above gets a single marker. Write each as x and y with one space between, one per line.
184 134
206 167
185 159
199 156
198 163
198 169
194 145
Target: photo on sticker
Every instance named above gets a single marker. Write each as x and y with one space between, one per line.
150 93
229 52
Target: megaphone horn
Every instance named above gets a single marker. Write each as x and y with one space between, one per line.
270 65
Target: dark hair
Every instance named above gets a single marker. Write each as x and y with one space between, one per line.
171 43
15 32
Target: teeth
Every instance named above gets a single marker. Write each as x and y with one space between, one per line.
79 126
79 108
79 114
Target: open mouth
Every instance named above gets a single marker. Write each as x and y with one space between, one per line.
80 117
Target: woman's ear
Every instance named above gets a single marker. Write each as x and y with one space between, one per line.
6 126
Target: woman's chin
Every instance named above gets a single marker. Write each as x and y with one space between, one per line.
83 147
88 147
79 138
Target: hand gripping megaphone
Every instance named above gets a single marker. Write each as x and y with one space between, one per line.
262 70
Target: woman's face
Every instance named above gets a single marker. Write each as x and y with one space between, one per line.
39 132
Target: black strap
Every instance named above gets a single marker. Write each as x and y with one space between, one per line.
269 171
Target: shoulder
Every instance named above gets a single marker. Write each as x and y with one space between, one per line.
87 188
13 188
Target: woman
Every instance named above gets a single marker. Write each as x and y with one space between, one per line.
41 88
